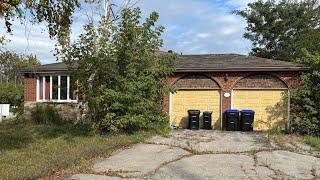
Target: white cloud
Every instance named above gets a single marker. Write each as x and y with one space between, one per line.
200 26
203 35
229 30
192 27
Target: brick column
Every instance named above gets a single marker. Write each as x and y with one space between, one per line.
226 82
30 88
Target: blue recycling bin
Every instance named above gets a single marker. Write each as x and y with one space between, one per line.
232 120
247 119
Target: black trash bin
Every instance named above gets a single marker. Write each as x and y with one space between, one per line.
207 120
194 119
247 118
232 120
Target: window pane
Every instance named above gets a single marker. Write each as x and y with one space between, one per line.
63 88
72 89
55 87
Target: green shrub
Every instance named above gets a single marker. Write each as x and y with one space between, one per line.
306 100
127 77
45 114
11 94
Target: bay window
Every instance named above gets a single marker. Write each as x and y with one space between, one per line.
55 88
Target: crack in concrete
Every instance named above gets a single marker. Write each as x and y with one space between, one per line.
111 173
192 150
189 146
277 173
168 162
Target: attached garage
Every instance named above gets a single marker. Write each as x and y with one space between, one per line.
218 82
195 92
266 95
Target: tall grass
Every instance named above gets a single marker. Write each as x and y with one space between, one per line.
29 150
313 141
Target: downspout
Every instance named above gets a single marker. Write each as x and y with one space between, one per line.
288 115
221 111
170 106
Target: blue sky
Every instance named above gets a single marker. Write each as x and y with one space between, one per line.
192 27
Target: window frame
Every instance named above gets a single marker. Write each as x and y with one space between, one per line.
42 99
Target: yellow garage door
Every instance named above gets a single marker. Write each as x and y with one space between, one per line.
269 106
203 100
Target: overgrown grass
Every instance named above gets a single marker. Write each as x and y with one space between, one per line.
313 141
282 137
29 150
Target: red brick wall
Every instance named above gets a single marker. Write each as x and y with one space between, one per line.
30 92
260 81
196 82
291 79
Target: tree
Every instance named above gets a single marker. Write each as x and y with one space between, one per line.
279 30
121 75
57 14
289 30
306 100
11 62
11 88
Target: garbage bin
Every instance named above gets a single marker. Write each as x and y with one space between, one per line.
194 119
232 120
247 118
207 120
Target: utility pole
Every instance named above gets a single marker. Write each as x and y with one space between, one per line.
106 9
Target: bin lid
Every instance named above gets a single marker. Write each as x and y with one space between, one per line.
232 110
247 111
207 112
194 111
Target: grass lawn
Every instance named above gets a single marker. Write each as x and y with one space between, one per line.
28 151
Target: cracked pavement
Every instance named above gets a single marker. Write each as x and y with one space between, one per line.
202 154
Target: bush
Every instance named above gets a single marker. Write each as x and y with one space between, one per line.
45 114
306 100
123 76
11 94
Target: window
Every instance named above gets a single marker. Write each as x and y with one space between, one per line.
56 89
63 88
44 83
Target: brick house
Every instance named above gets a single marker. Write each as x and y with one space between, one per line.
205 82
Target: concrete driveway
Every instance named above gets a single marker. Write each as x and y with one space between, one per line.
186 154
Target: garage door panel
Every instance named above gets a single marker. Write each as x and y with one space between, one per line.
240 95
267 102
203 100
253 102
213 101
269 106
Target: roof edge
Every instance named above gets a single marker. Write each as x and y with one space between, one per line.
241 69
